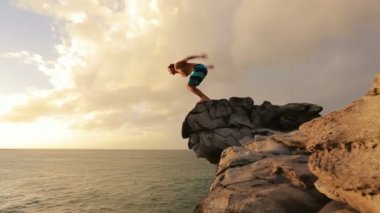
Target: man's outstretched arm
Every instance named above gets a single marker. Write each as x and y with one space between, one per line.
195 56
182 62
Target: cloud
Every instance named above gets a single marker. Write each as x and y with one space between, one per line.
273 30
110 73
58 71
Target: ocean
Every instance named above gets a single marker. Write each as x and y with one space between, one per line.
102 181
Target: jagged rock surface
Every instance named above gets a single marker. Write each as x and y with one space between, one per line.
269 177
217 124
268 172
346 152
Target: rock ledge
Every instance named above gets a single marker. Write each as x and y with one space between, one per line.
217 124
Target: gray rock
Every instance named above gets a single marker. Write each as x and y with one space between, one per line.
217 124
245 103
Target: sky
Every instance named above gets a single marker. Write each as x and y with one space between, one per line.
91 74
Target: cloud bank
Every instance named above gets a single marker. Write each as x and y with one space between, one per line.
110 77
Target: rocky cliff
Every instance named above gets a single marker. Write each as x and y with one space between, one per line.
217 124
345 148
265 163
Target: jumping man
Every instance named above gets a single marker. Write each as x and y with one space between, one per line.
196 71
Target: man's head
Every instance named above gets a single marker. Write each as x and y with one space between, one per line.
171 69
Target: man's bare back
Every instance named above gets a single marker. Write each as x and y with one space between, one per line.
184 67
197 73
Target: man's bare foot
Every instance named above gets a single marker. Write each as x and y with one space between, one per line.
204 99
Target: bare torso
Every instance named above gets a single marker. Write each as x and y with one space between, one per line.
184 67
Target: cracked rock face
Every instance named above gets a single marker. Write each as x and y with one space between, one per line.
215 125
257 179
346 152
272 171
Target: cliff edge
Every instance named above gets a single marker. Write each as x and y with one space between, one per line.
287 158
214 125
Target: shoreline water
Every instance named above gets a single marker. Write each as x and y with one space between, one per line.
102 180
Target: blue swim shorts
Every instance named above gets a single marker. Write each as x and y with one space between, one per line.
197 75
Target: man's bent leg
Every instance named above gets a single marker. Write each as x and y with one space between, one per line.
197 92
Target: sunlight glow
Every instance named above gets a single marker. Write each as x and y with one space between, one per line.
44 133
8 102
78 17
141 17
133 8
73 52
153 5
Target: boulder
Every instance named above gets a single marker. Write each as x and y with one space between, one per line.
261 180
345 147
215 125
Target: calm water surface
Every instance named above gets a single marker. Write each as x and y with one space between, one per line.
102 181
